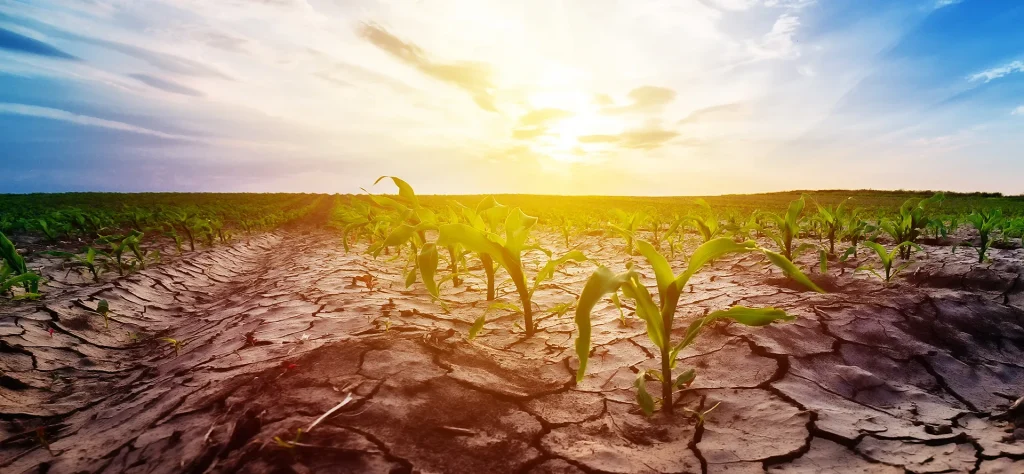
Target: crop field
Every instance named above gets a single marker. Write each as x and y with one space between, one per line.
806 331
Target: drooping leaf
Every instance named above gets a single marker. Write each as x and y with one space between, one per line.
427 263
791 270
643 398
404 190
478 325
600 283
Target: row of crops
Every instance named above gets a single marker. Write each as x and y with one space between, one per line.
432 233
444 241
106 232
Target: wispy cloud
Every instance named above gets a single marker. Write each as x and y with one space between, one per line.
998 72
722 112
535 122
946 3
64 115
643 139
167 62
12 41
166 85
778 43
1018 111
642 99
473 77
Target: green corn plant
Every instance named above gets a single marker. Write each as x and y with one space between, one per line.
488 216
188 222
51 229
87 260
627 226
986 222
409 225
888 259
565 228
707 225
507 253
787 229
29 280
103 309
175 344
855 230
912 218
660 317
139 218
176 238
11 258
832 222
119 244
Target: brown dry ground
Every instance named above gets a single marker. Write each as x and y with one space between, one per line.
870 378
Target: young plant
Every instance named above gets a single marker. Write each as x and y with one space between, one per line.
507 252
986 223
888 258
707 225
103 309
175 344
14 271
87 260
660 317
912 218
627 227
832 221
787 229
489 216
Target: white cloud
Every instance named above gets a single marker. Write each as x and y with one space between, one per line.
778 43
1018 111
997 72
946 3
64 115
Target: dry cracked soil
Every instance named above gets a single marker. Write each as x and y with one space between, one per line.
915 376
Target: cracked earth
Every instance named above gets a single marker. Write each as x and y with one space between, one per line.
912 376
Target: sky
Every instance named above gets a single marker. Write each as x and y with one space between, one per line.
630 97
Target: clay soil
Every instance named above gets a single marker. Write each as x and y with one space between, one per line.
912 376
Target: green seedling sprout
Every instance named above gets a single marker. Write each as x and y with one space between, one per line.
175 344
103 309
507 252
986 223
14 271
660 317
912 218
887 258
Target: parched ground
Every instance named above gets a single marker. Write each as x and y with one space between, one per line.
276 332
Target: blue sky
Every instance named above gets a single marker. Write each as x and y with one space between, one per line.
589 97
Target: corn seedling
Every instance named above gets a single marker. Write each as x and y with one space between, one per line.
507 252
832 221
888 258
51 229
912 218
14 271
787 229
659 317
986 223
707 226
103 309
855 230
488 216
627 227
175 344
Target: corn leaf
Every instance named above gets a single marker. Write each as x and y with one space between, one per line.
602 282
427 262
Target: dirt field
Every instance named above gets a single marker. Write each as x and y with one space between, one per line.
275 332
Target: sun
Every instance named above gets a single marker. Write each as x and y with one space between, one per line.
561 138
